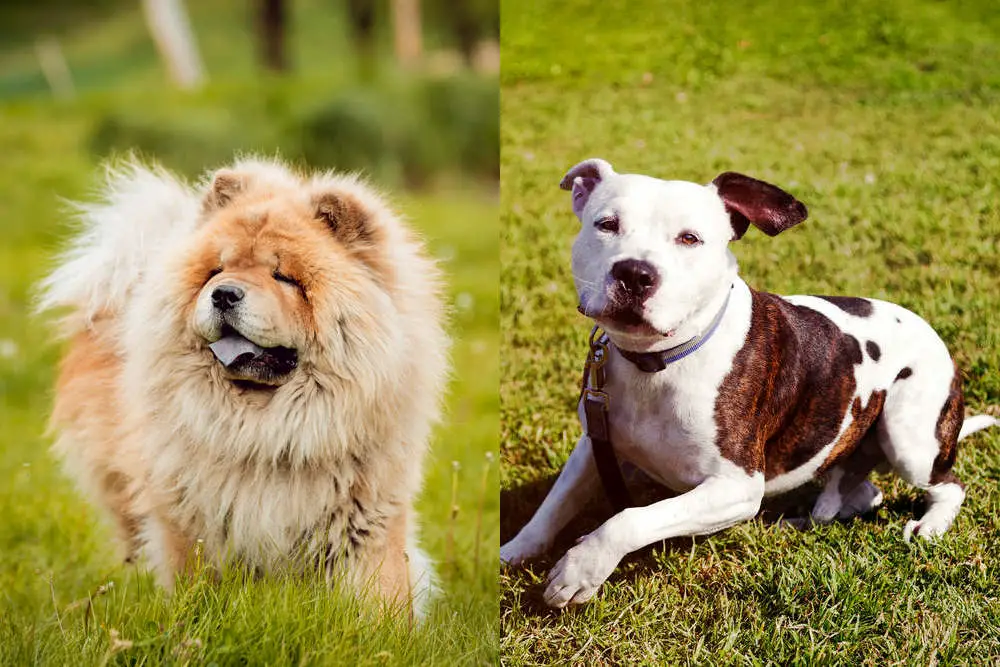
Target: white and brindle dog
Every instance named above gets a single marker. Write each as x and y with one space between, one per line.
780 391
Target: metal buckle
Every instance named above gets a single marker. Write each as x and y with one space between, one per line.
596 360
596 395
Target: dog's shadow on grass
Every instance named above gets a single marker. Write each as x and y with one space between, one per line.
517 505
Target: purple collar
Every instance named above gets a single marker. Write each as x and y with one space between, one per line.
654 362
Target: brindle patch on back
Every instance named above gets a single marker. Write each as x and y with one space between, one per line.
851 305
789 390
862 418
949 424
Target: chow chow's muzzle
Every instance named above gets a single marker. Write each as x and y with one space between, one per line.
241 356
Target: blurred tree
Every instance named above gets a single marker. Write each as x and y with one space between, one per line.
469 22
361 16
273 25
469 27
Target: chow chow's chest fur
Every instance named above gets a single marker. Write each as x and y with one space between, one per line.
266 515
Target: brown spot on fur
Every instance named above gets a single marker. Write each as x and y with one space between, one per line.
788 391
851 305
873 350
904 373
949 424
862 418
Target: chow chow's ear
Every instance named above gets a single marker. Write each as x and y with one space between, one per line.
583 178
226 184
345 217
749 201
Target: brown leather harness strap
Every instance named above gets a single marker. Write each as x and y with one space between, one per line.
595 410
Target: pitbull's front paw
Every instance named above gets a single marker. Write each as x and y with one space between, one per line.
581 572
521 549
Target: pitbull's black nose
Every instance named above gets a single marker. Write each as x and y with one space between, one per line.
638 279
225 297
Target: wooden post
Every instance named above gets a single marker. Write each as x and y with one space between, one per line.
54 67
168 23
407 31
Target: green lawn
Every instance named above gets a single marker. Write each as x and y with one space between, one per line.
56 553
884 118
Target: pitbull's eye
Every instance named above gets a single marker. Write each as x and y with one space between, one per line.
688 239
609 224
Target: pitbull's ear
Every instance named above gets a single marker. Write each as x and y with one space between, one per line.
747 200
583 178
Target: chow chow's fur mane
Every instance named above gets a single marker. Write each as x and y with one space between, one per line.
323 461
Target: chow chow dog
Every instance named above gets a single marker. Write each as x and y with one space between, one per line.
254 366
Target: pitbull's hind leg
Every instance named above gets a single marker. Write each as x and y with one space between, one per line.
848 492
919 433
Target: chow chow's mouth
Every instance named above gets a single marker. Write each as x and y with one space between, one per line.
246 360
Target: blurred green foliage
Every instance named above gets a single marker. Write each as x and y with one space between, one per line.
412 132
411 128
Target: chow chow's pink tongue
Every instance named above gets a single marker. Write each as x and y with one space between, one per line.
230 348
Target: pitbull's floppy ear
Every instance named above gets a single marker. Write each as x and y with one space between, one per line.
747 200
583 178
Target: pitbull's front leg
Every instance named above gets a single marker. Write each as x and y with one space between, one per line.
576 484
718 502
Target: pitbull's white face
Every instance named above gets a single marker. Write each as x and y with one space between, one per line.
651 255
651 261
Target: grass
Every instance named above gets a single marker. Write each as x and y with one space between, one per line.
56 554
883 118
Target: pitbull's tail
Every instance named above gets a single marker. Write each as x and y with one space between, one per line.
977 423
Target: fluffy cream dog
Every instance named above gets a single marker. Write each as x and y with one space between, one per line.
254 364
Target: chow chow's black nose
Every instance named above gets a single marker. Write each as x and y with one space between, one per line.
638 279
225 297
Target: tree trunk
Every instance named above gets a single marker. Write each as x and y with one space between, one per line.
407 30
273 24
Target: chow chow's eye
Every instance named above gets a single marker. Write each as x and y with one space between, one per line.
214 272
608 224
281 277
688 239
